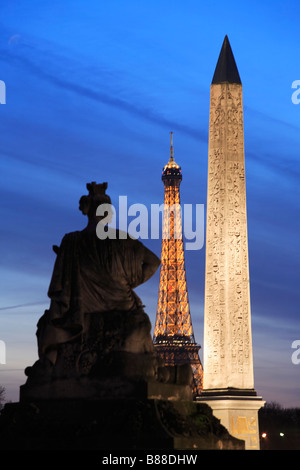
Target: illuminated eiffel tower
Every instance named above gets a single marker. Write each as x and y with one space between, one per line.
173 333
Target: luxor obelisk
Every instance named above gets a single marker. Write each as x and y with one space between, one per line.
228 364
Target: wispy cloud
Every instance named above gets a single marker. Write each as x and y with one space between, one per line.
275 120
52 71
30 304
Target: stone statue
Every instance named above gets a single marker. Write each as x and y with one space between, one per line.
95 327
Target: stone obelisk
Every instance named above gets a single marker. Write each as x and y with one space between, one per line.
228 364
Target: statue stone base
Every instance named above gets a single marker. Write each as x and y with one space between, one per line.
112 424
115 358
105 388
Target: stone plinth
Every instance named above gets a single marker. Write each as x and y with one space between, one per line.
236 411
108 424
106 388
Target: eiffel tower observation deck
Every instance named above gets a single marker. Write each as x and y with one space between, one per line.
173 333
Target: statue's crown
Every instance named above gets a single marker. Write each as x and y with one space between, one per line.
97 192
96 189
95 197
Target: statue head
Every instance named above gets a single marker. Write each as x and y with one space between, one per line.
89 204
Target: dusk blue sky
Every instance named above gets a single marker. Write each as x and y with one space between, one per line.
93 89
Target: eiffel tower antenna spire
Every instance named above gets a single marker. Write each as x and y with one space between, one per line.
171 147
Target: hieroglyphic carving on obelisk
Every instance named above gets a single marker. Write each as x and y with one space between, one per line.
228 386
227 319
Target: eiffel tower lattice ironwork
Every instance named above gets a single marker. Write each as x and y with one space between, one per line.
173 333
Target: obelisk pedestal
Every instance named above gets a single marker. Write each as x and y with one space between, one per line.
228 363
238 414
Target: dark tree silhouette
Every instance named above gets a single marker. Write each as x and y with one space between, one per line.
2 396
280 426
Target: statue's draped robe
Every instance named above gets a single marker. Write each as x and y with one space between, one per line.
90 276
